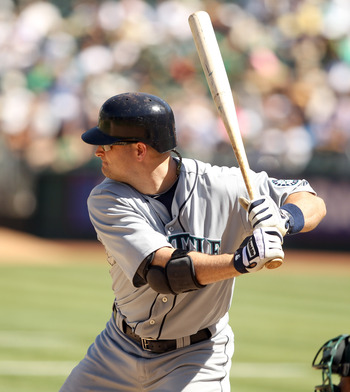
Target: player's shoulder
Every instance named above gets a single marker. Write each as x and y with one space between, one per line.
110 194
111 187
205 168
104 185
232 174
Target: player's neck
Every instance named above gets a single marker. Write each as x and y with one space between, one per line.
156 178
163 177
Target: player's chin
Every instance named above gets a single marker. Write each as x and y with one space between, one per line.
107 173
104 169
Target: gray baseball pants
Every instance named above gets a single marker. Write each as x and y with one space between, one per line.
114 362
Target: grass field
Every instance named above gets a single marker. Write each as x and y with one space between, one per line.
52 311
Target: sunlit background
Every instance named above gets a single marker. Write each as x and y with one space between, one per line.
289 67
288 62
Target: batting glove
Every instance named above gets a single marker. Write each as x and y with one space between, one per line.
264 212
264 245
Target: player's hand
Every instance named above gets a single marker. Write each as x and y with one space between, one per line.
264 245
264 212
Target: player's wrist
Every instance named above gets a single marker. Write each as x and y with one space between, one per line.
294 216
265 244
246 259
237 261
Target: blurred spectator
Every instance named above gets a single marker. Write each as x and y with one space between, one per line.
288 63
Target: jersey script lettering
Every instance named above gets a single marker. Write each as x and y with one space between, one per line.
190 242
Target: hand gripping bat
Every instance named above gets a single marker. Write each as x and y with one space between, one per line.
215 73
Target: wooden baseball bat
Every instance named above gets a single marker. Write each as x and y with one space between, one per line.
214 69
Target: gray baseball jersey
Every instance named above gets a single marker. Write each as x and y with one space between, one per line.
206 217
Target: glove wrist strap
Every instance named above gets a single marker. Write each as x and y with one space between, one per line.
244 258
238 261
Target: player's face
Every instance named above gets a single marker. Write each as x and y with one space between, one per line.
116 161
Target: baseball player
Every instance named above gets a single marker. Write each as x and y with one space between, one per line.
177 232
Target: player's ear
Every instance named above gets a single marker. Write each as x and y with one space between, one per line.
141 151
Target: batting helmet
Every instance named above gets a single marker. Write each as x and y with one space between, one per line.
134 117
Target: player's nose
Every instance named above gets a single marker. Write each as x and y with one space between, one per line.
99 151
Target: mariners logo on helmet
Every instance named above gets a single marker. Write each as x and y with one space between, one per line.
134 117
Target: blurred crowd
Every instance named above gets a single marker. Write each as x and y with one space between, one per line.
288 62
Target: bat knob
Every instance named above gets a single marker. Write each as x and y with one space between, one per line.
275 263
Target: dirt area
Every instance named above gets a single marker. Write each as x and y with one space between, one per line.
18 247
25 248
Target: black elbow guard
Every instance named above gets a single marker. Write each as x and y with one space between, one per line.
177 277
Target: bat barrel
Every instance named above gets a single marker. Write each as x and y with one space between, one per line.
214 70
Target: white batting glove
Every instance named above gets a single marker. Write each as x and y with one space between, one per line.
264 245
264 212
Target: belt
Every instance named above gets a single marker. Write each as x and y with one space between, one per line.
163 346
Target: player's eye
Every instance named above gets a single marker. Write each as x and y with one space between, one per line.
106 147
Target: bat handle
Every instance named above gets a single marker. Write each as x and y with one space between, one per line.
275 263
272 264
